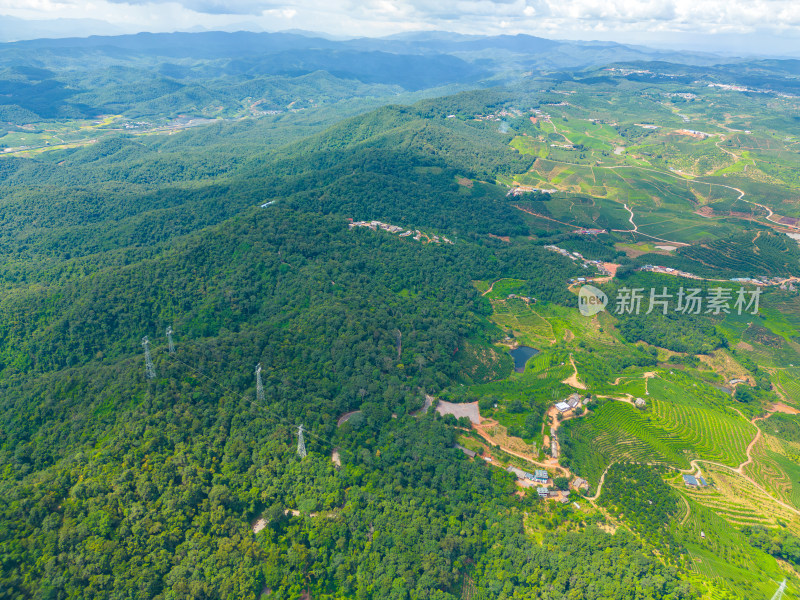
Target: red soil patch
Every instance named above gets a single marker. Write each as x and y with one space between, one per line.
504 238
784 408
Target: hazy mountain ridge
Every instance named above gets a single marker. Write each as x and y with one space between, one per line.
214 74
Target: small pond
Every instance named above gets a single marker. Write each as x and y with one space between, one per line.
522 355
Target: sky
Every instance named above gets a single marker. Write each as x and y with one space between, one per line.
703 24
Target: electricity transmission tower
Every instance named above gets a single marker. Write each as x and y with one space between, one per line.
149 369
301 445
779 593
259 385
169 340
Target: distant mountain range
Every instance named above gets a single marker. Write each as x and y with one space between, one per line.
501 54
13 29
219 74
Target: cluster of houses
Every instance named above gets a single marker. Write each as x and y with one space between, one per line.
527 299
667 271
579 484
587 262
498 116
694 482
544 488
683 95
624 71
759 281
732 87
538 476
133 124
418 235
558 495
375 225
699 135
571 403
542 478
766 281
519 190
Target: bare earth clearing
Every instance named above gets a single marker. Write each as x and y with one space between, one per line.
460 410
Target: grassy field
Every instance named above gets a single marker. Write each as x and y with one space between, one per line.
502 288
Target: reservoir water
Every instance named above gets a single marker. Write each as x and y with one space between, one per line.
522 355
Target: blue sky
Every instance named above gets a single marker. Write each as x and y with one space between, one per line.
738 25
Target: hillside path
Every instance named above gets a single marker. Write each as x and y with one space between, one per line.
636 230
572 380
550 464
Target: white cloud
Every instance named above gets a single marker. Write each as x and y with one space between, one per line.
559 18
212 7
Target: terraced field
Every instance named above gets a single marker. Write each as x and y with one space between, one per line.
669 433
740 502
581 211
528 326
541 325
710 434
616 432
663 203
540 382
719 552
680 188
634 385
787 380
774 471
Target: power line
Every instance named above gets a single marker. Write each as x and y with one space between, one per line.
249 400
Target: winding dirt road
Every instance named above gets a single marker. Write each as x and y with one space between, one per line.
695 466
572 380
550 464
636 230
